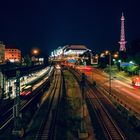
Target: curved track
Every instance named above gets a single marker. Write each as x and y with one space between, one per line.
109 127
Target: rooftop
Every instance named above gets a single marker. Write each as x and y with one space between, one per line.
76 47
11 47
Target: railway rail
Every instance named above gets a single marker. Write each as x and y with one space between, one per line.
46 130
110 129
7 117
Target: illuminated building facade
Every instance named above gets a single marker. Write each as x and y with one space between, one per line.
12 54
68 52
2 52
73 51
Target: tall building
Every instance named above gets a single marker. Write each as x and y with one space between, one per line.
122 41
2 52
12 54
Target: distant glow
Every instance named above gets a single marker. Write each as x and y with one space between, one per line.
114 60
41 59
88 68
96 57
115 55
79 67
58 67
119 61
35 51
107 52
27 90
131 62
74 52
102 55
12 60
136 81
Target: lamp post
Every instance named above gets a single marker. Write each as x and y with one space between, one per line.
110 57
109 54
35 53
109 73
18 130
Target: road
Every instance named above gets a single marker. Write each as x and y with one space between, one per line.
121 88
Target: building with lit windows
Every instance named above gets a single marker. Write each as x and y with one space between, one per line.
2 52
12 54
68 52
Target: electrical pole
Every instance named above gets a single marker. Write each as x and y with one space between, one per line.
83 132
2 84
83 94
18 130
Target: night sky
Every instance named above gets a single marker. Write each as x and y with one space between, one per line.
48 24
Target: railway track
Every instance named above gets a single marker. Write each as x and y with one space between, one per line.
109 127
7 117
48 125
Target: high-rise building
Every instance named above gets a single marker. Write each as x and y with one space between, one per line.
12 54
122 41
2 52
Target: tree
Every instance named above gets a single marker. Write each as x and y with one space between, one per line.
137 58
134 51
27 60
134 48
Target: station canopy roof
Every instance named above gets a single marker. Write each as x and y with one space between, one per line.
75 47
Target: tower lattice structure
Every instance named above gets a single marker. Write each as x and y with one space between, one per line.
122 41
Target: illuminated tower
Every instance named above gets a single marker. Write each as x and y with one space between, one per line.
122 41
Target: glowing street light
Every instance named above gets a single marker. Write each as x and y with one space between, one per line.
109 53
131 62
114 60
119 61
115 55
110 57
35 51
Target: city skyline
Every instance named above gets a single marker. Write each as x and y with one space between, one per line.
49 24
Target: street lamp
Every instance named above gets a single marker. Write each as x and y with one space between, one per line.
119 61
110 57
109 73
109 54
35 53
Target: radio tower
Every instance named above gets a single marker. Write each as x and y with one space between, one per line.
122 41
